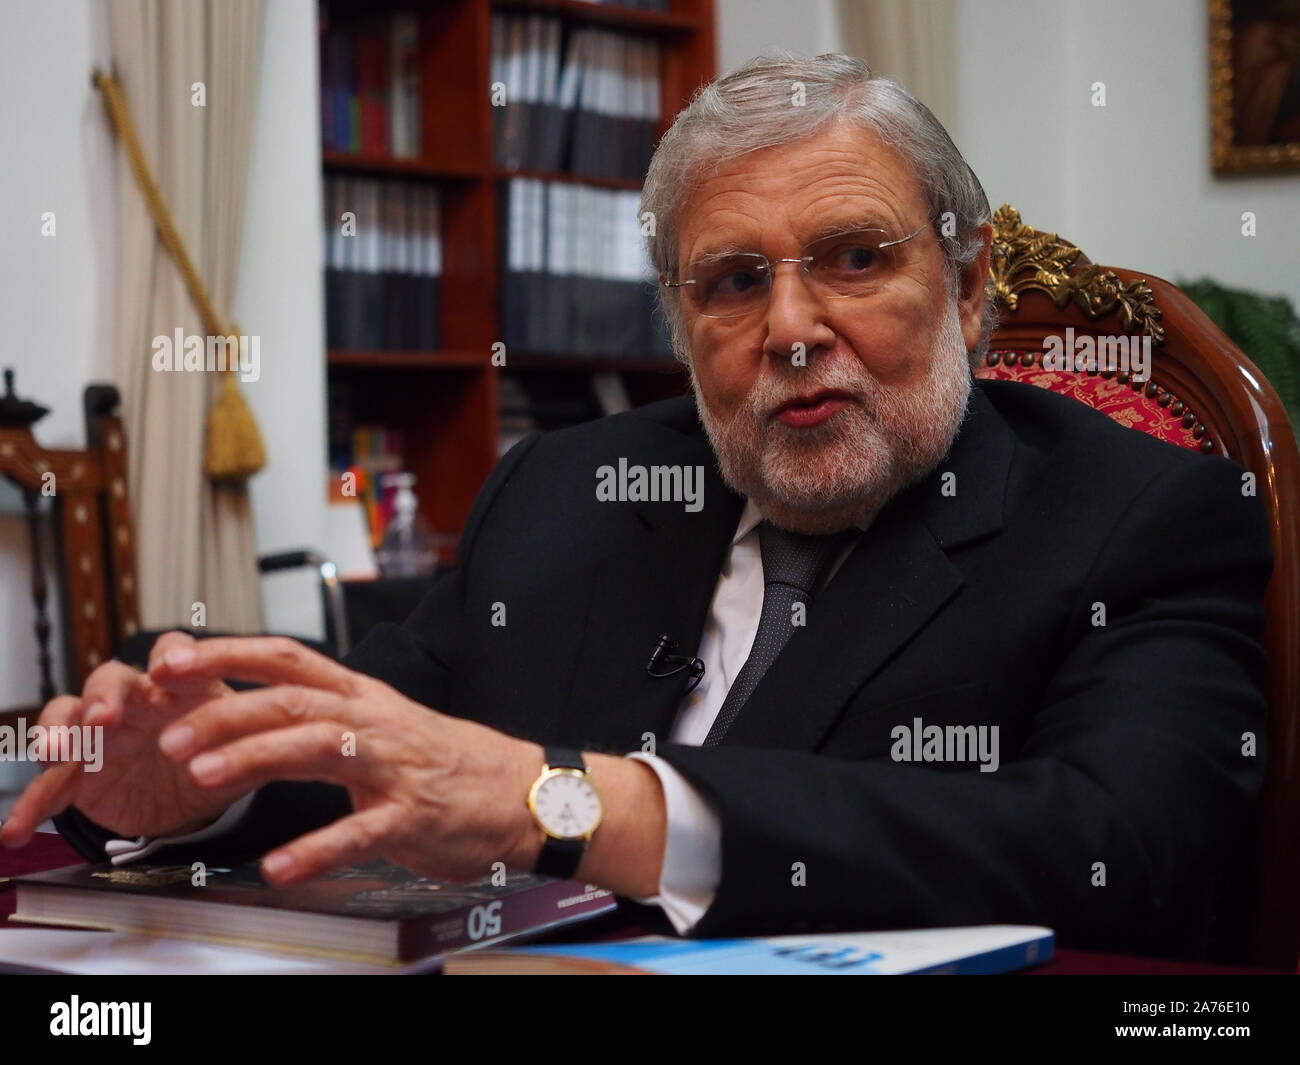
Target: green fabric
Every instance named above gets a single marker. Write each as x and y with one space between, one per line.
1264 327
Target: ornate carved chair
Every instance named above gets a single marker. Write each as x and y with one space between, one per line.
1203 394
95 547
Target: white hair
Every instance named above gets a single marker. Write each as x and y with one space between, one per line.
751 108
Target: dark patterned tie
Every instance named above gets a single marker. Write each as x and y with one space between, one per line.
793 566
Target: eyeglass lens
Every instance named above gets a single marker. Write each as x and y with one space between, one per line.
844 265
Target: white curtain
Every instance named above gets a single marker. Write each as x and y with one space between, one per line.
911 41
194 537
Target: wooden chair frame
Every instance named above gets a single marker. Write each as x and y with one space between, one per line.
1042 285
98 580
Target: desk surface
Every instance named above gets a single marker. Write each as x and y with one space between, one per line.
47 851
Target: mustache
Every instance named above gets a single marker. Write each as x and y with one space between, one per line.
772 392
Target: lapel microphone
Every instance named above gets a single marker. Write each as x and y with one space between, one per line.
663 657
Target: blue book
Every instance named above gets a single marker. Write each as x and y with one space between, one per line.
961 951
339 47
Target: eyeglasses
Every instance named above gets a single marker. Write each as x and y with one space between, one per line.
735 284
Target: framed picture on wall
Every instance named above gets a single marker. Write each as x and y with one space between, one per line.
1255 85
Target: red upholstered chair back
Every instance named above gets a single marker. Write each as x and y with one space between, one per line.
1203 394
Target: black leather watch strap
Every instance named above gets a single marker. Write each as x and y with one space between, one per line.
560 857
564 758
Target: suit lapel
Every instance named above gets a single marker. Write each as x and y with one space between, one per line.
658 578
891 584
896 579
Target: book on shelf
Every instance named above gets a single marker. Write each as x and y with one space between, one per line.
404 86
377 913
530 403
574 275
586 101
383 264
637 5
516 417
370 84
985 949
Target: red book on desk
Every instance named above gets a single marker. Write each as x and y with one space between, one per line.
377 913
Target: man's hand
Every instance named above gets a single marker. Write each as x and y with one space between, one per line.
436 794
440 795
137 791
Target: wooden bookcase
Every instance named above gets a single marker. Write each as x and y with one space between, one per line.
445 402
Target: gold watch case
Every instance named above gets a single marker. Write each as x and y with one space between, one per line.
548 773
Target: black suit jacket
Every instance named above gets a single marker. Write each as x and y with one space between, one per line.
1122 785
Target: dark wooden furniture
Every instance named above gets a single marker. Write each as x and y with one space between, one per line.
94 557
1206 394
444 403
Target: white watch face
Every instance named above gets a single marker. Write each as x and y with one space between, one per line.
567 806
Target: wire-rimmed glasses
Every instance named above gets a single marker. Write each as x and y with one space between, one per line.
733 284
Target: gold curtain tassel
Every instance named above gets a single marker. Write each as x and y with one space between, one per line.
234 450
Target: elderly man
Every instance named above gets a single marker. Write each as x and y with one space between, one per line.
971 652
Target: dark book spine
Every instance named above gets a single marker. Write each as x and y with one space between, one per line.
532 911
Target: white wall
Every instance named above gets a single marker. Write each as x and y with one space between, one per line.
746 28
1010 87
279 297
1130 182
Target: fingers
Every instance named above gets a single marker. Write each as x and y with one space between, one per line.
63 711
180 683
354 840
49 794
105 694
314 751
262 659
169 641
232 717
52 791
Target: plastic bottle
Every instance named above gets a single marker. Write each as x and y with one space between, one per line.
408 548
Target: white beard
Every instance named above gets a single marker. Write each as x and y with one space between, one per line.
831 476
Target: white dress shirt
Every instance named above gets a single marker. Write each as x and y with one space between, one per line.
692 862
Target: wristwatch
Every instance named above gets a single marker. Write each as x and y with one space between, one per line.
567 808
